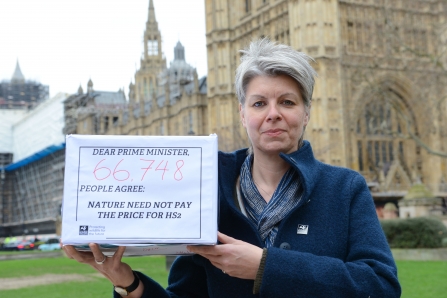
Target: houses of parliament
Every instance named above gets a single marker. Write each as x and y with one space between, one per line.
379 104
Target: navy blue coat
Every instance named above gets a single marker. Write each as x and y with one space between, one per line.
344 253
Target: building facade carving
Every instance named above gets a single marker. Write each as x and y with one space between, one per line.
379 98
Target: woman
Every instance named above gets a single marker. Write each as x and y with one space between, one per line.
290 226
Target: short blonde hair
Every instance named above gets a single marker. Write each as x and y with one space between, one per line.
267 58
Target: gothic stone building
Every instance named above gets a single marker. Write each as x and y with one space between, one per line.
163 101
379 99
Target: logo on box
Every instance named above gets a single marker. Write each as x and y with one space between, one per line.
83 230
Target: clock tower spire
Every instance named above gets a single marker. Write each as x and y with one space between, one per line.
152 62
152 36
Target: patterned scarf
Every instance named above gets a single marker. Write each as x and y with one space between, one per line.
267 216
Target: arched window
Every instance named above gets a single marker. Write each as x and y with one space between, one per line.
151 88
152 47
162 129
382 131
247 6
146 90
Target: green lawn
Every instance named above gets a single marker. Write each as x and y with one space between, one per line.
421 279
153 266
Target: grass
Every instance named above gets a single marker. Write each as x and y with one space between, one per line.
421 279
153 266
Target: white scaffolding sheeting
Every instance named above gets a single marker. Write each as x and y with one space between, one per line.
40 128
8 117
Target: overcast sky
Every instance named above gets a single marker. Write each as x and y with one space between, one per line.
64 43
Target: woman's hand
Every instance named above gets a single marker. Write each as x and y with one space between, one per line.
119 273
234 257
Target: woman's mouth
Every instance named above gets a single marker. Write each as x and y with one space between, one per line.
273 132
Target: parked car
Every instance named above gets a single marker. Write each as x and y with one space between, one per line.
11 245
26 245
51 244
19 245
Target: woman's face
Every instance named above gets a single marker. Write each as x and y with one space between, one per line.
274 114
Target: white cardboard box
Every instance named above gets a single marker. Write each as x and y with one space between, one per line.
140 190
141 249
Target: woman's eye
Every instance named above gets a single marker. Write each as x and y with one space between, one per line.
288 102
258 104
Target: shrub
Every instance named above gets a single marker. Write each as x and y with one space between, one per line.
419 232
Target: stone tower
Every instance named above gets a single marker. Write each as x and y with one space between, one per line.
152 62
376 101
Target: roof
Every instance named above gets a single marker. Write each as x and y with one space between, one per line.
100 98
109 98
35 157
202 85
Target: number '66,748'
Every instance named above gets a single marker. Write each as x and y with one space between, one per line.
119 173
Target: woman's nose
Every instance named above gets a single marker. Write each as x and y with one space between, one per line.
273 113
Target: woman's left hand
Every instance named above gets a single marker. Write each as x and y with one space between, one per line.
119 273
234 257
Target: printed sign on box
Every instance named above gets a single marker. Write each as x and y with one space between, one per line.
140 189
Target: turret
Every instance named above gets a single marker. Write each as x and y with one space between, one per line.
17 77
89 86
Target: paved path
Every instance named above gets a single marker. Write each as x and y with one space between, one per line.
31 281
23 255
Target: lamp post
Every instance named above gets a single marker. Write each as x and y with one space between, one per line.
35 230
2 181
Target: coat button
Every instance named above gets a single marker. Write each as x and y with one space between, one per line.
285 245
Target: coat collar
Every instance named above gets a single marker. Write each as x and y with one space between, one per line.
307 166
302 160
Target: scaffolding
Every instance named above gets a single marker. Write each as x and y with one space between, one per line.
25 95
19 93
31 169
5 185
32 193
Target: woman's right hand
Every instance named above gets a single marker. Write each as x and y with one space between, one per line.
119 273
